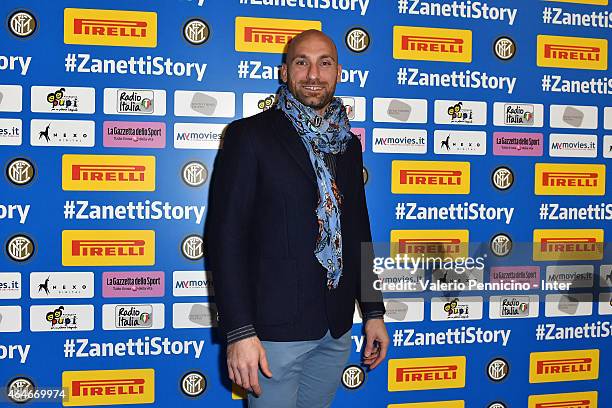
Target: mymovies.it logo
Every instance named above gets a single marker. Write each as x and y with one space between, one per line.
198 135
10 285
399 141
192 283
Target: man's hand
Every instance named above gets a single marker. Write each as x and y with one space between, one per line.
375 330
244 357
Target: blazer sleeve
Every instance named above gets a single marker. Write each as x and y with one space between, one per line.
231 202
370 300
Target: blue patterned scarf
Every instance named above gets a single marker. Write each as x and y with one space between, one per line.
327 134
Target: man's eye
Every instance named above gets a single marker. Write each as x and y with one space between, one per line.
301 62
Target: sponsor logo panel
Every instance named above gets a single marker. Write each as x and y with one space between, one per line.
571 145
132 284
565 400
460 142
608 118
409 374
108 247
58 99
110 27
432 44
69 133
580 276
254 103
605 276
573 116
399 141
518 114
133 316
395 110
435 404
514 306
108 173
572 52
269 34
456 308
355 107
52 285
11 98
605 304
570 179
518 144
198 135
520 274
194 315
11 132
134 134
123 101
205 104
557 366
10 319
568 244
10 285
192 283
47 318
460 112
430 243
568 304
109 387
404 310
607 146
430 177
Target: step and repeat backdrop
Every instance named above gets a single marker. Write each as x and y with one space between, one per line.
485 132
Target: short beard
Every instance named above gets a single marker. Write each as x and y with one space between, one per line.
324 101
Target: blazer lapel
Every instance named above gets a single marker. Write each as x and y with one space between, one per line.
287 137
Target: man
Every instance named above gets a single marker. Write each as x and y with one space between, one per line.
286 219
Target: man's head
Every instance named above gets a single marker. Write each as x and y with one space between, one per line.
311 69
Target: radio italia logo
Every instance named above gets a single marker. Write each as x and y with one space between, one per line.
110 27
432 44
572 365
108 247
94 172
426 373
430 243
568 244
430 177
572 52
109 387
570 179
269 34
565 400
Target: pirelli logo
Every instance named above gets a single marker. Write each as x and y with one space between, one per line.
432 44
596 2
565 400
94 172
556 366
426 373
110 27
568 244
269 34
108 247
109 387
570 179
430 243
572 52
430 177
435 404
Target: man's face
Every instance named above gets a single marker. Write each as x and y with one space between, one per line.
312 71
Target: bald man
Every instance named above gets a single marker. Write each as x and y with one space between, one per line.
286 221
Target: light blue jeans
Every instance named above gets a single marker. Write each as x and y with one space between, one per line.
305 374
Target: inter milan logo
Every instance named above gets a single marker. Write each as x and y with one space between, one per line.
193 384
22 24
193 247
196 31
498 369
20 248
353 377
194 174
357 40
502 178
501 245
20 390
20 172
504 48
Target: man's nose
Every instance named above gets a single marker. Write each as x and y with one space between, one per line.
313 71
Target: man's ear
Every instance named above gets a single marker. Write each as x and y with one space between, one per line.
339 76
283 72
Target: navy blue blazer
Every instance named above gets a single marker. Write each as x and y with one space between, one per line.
261 230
